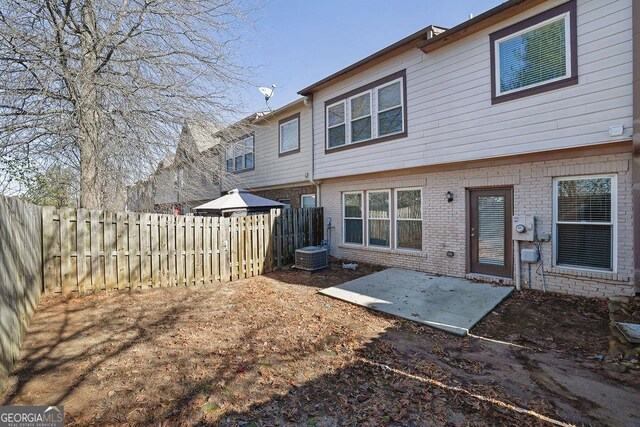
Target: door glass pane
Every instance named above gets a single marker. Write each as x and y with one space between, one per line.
491 225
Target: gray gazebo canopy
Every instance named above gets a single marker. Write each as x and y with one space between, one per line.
238 200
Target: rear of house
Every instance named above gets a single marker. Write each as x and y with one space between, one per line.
428 150
272 157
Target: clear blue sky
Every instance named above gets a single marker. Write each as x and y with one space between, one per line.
297 42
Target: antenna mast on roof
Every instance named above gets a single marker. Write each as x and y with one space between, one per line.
268 93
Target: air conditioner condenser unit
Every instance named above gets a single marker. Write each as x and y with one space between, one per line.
312 258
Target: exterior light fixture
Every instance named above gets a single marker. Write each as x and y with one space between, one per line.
449 196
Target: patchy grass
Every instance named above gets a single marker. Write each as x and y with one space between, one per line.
271 351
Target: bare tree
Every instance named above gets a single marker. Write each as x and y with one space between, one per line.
103 86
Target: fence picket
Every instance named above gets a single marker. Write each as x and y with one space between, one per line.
95 232
110 253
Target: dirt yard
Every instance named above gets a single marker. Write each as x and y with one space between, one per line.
271 351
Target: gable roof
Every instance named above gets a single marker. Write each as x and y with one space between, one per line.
429 39
198 136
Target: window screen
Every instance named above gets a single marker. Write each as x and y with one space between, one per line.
353 218
379 218
409 219
533 57
289 136
584 223
336 125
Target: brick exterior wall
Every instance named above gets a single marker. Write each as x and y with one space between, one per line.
291 193
444 223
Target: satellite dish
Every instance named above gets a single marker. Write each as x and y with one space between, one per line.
268 93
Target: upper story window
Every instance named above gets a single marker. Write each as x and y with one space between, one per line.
373 113
240 156
536 55
289 135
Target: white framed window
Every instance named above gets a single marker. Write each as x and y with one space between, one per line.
336 124
379 218
390 107
241 155
374 112
289 134
584 222
408 218
360 117
353 218
535 55
308 201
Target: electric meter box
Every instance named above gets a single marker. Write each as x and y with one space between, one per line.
529 255
524 228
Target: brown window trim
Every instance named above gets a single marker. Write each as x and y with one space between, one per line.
403 134
570 7
285 120
253 135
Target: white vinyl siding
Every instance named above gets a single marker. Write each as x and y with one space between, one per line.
450 117
535 56
367 115
584 222
270 168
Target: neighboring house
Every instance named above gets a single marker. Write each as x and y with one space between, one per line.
272 157
426 149
184 180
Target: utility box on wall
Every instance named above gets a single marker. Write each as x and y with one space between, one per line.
524 228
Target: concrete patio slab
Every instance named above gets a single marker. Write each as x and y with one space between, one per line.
452 304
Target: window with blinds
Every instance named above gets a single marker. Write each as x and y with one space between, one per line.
535 55
584 222
491 222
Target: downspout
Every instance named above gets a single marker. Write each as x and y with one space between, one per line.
308 101
635 166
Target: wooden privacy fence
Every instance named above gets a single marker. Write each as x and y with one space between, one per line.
86 251
20 276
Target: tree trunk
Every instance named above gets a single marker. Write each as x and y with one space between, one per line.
88 115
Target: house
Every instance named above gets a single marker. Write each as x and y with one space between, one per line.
267 153
427 149
185 179
272 156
